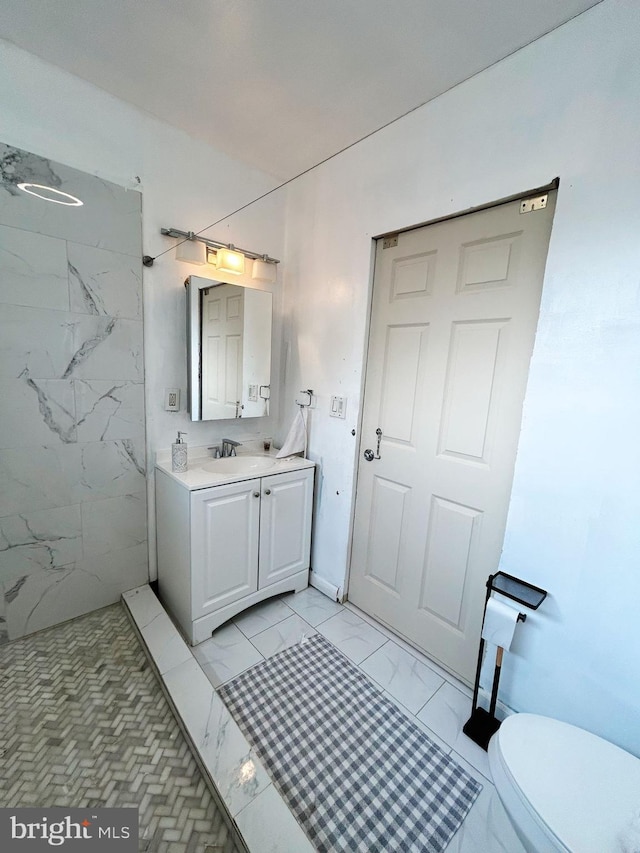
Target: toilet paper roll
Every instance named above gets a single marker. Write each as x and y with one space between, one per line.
499 623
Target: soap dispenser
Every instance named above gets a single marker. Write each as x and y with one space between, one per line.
179 454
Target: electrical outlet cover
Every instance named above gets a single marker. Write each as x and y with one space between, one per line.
172 399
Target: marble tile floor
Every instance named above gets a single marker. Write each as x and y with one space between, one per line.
85 723
427 694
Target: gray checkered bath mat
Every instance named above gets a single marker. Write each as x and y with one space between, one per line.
357 773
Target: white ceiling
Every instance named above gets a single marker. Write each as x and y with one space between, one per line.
278 84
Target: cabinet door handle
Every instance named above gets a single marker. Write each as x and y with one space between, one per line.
256 494
267 491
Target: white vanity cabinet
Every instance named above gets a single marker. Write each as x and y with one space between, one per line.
225 533
223 548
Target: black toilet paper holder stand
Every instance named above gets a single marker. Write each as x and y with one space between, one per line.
482 724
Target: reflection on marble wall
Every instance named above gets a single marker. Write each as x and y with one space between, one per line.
73 529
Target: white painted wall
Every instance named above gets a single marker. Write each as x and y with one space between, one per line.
565 106
185 184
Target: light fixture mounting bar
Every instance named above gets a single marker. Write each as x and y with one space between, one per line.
214 244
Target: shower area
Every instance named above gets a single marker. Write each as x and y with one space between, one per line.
73 522
84 720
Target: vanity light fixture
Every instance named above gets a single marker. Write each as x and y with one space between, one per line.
225 264
263 270
230 260
191 251
56 196
224 256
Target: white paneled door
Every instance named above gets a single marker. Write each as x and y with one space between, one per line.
455 307
222 320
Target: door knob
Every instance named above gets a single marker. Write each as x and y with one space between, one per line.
267 491
369 455
256 494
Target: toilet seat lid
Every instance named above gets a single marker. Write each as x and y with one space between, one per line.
583 788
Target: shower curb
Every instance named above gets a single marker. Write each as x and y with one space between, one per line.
235 775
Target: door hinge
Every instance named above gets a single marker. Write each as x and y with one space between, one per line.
390 242
536 203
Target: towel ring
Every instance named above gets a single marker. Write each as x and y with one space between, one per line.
309 393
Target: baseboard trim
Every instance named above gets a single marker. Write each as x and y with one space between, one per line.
328 589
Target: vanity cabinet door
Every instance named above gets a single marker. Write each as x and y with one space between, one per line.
285 525
224 545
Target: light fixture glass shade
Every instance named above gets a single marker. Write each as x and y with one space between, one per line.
228 260
263 270
191 252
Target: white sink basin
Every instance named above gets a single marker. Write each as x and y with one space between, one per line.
243 464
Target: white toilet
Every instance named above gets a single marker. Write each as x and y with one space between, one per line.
564 788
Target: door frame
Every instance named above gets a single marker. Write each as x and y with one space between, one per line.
541 190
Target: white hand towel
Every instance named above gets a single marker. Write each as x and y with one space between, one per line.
296 440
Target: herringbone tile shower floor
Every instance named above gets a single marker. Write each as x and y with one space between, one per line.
83 722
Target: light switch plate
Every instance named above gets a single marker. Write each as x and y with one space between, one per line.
338 408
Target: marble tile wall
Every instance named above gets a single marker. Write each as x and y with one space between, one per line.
73 527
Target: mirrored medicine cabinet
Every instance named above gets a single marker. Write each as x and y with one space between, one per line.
228 350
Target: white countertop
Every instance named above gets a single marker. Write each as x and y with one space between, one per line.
196 477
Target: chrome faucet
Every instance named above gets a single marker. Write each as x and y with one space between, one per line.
229 446
215 451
